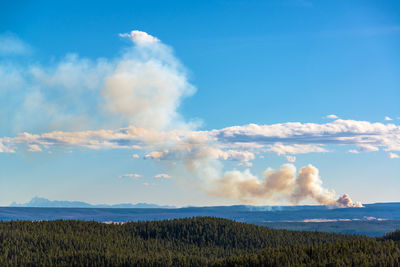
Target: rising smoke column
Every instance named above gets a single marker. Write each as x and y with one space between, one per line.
201 157
282 183
144 88
147 84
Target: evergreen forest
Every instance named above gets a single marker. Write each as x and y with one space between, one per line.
199 241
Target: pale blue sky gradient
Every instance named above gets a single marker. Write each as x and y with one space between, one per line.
260 62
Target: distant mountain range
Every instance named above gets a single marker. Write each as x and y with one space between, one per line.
37 202
373 219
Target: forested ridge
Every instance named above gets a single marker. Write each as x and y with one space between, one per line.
197 241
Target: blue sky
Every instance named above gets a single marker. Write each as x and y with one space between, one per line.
208 66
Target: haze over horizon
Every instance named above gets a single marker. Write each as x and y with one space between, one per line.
38 201
126 109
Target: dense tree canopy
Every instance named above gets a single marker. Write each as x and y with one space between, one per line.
192 241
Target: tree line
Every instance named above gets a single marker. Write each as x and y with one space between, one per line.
200 241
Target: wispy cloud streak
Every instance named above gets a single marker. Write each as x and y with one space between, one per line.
232 143
143 88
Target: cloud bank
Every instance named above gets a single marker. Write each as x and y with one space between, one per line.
144 86
131 102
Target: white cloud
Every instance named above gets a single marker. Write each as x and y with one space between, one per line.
291 158
5 148
34 148
140 37
354 151
332 116
66 94
12 45
135 156
245 164
282 139
144 87
388 118
235 155
282 149
162 176
185 150
157 155
367 148
290 137
72 73
392 155
131 175
10 78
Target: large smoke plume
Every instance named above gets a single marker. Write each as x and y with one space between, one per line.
144 88
147 84
282 184
201 157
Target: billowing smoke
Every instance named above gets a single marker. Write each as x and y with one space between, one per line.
147 84
143 88
201 157
282 184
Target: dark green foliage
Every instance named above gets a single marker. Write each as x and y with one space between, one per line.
367 227
395 236
367 252
183 242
